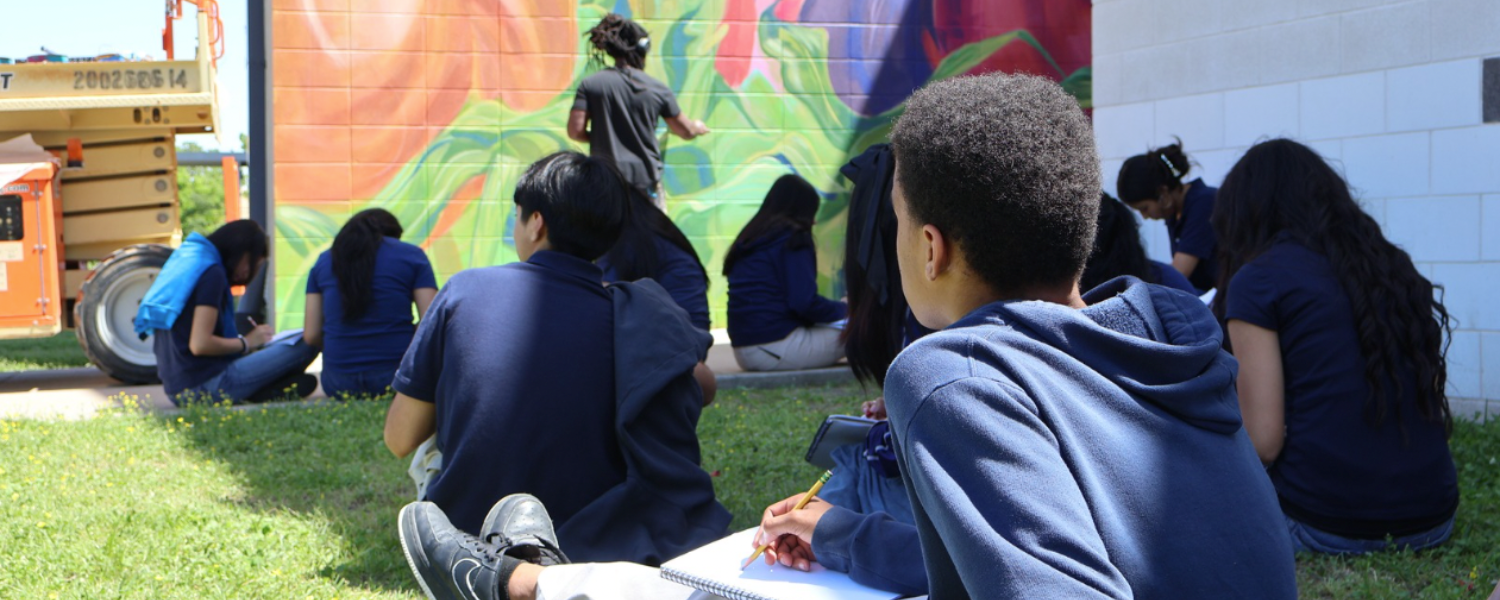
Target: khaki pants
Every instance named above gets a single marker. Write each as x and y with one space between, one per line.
806 348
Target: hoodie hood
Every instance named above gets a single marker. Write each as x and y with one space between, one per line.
1157 343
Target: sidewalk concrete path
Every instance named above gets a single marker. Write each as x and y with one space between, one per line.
83 392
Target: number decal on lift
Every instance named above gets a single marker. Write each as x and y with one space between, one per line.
129 79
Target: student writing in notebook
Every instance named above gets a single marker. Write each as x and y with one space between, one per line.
1058 444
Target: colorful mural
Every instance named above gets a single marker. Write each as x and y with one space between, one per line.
431 109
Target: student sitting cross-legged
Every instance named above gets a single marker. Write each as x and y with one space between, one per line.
538 378
359 298
1057 445
200 355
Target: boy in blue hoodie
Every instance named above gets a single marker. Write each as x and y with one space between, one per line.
1058 445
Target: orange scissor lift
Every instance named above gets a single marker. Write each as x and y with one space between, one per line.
83 235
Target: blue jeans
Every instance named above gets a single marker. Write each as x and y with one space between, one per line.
1309 539
250 374
339 384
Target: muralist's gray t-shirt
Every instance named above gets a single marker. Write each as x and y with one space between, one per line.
623 105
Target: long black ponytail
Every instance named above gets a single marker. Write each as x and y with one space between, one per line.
353 254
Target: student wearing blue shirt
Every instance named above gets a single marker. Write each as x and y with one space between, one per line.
1057 444
1050 450
359 298
200 356
1152 184
536 377
651 246
1118 251
1340 343
777 320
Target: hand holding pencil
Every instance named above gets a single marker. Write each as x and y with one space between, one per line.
786 530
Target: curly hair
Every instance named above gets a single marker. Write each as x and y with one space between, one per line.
1281 188
1005 166
620 38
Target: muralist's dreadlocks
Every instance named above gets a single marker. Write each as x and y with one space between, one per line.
621 39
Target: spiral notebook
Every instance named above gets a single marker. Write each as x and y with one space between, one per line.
716 568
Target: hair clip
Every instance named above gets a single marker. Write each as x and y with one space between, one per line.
1171 169
644 43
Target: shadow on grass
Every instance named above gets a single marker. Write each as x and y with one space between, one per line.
324 460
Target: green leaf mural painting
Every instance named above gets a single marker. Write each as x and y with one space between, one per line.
431 112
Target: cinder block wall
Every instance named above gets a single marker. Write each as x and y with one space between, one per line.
431 109
1390 92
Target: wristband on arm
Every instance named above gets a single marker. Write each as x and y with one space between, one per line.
244 346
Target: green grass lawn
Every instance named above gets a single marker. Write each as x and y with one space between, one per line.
300 502
57 352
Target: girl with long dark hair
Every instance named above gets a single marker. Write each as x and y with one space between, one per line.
1118 251
359 300
616 109
1152 183
777 320
200 355
1342 370
652 246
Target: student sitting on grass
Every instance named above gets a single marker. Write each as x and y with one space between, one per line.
200 355
1152 184
777 320
536 377
359 297
651 246
1340 342
1057 445
1051 448
1118 251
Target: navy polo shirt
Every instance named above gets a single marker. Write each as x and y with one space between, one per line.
518 361
1336 472
379 338
176 365
678 273
773 290
1192 233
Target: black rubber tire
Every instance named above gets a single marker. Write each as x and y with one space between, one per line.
95 331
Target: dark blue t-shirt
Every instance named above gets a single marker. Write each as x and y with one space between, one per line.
1192 233
518 361
1336 472
379 338
176 365
1167 275
678 273
773 290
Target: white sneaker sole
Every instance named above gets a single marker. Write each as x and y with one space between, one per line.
405 550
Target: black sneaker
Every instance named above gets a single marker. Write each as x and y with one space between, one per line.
518 525
449 563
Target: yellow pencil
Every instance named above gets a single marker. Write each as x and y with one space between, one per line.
800 503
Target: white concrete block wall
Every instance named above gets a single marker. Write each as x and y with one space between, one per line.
1388 91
